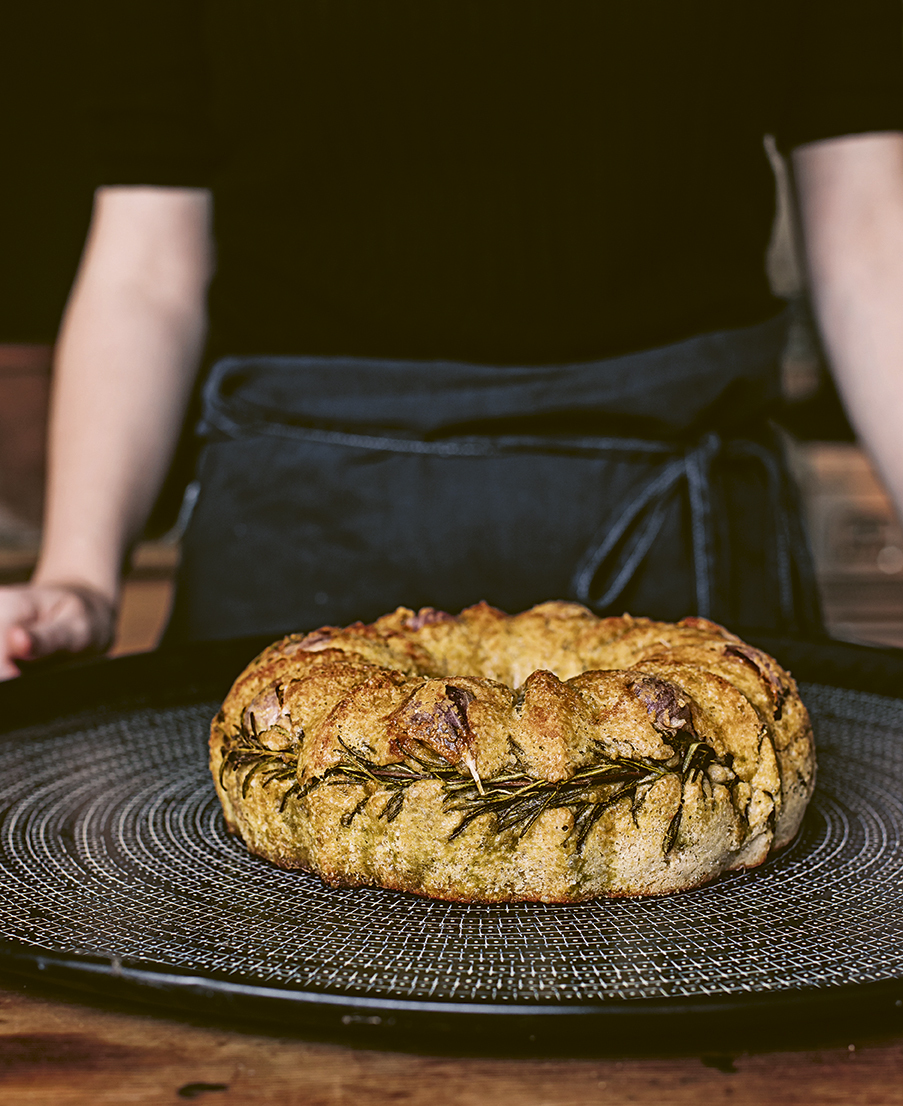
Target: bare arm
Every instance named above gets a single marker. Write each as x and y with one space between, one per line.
127 356
851 205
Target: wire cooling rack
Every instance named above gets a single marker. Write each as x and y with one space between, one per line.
115 867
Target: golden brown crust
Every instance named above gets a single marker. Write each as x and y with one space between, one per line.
550 756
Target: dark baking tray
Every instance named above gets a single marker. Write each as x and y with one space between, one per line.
116 875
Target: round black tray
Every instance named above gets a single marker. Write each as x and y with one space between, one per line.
116 874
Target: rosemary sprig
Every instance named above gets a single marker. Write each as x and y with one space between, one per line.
514 799
245 750
517 803
396 778
517 800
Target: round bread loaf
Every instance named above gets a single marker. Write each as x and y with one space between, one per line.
550 756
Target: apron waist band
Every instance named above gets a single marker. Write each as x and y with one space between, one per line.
712 381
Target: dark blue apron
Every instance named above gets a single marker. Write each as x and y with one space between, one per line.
336 488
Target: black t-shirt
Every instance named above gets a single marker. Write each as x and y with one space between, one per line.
502 181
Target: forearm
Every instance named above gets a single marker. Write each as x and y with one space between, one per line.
851 204
127 356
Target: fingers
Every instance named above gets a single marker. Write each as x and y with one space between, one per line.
63 624
17 610
44 619
19 642
7 669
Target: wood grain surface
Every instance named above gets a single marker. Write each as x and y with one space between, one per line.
59 1047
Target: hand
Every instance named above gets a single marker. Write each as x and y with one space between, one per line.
40 620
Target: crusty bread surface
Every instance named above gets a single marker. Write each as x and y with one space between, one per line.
550 756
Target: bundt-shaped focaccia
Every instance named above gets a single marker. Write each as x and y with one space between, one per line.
551 756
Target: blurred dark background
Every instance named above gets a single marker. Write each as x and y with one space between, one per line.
46 190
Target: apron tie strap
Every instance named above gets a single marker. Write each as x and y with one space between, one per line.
624 544
625 541
791 544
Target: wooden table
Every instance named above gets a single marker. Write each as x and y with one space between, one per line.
62 1048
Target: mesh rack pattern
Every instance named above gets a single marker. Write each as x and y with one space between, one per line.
112 843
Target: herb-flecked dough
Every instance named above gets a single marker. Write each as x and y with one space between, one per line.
550 756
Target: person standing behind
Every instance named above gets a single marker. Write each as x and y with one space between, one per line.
555 196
